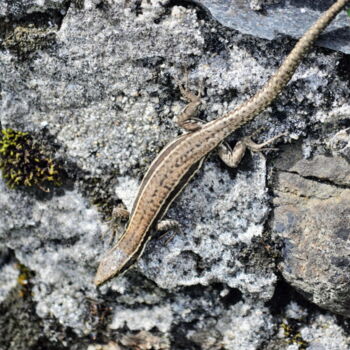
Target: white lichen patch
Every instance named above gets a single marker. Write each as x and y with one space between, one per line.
144 318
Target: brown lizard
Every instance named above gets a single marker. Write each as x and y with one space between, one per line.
179 160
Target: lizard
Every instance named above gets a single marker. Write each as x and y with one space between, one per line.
176 164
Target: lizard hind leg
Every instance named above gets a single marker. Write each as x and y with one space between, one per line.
120 213
259 147
232 157
167 225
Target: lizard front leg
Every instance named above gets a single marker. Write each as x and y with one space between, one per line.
186 119
119 215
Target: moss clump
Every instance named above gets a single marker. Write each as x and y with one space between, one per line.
293 336
23 163
26 39
23 279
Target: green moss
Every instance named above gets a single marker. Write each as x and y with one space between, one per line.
26 39
23 279
23 163
293 336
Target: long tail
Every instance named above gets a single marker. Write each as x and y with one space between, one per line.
249 109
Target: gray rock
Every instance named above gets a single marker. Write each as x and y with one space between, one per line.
143 340
333 169
314 220
8 276
298 330
321 333
274 18
256 322
210 250
340 143
36 232
18 8
103 90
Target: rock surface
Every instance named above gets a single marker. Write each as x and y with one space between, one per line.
314 220
270 18
19 8
96 81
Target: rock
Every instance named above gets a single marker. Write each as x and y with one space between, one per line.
18 8
321 333
36 232
333 169
340 143
98 89
312 214
8 275
274 18
256 320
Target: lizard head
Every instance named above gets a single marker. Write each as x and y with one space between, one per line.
112 264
